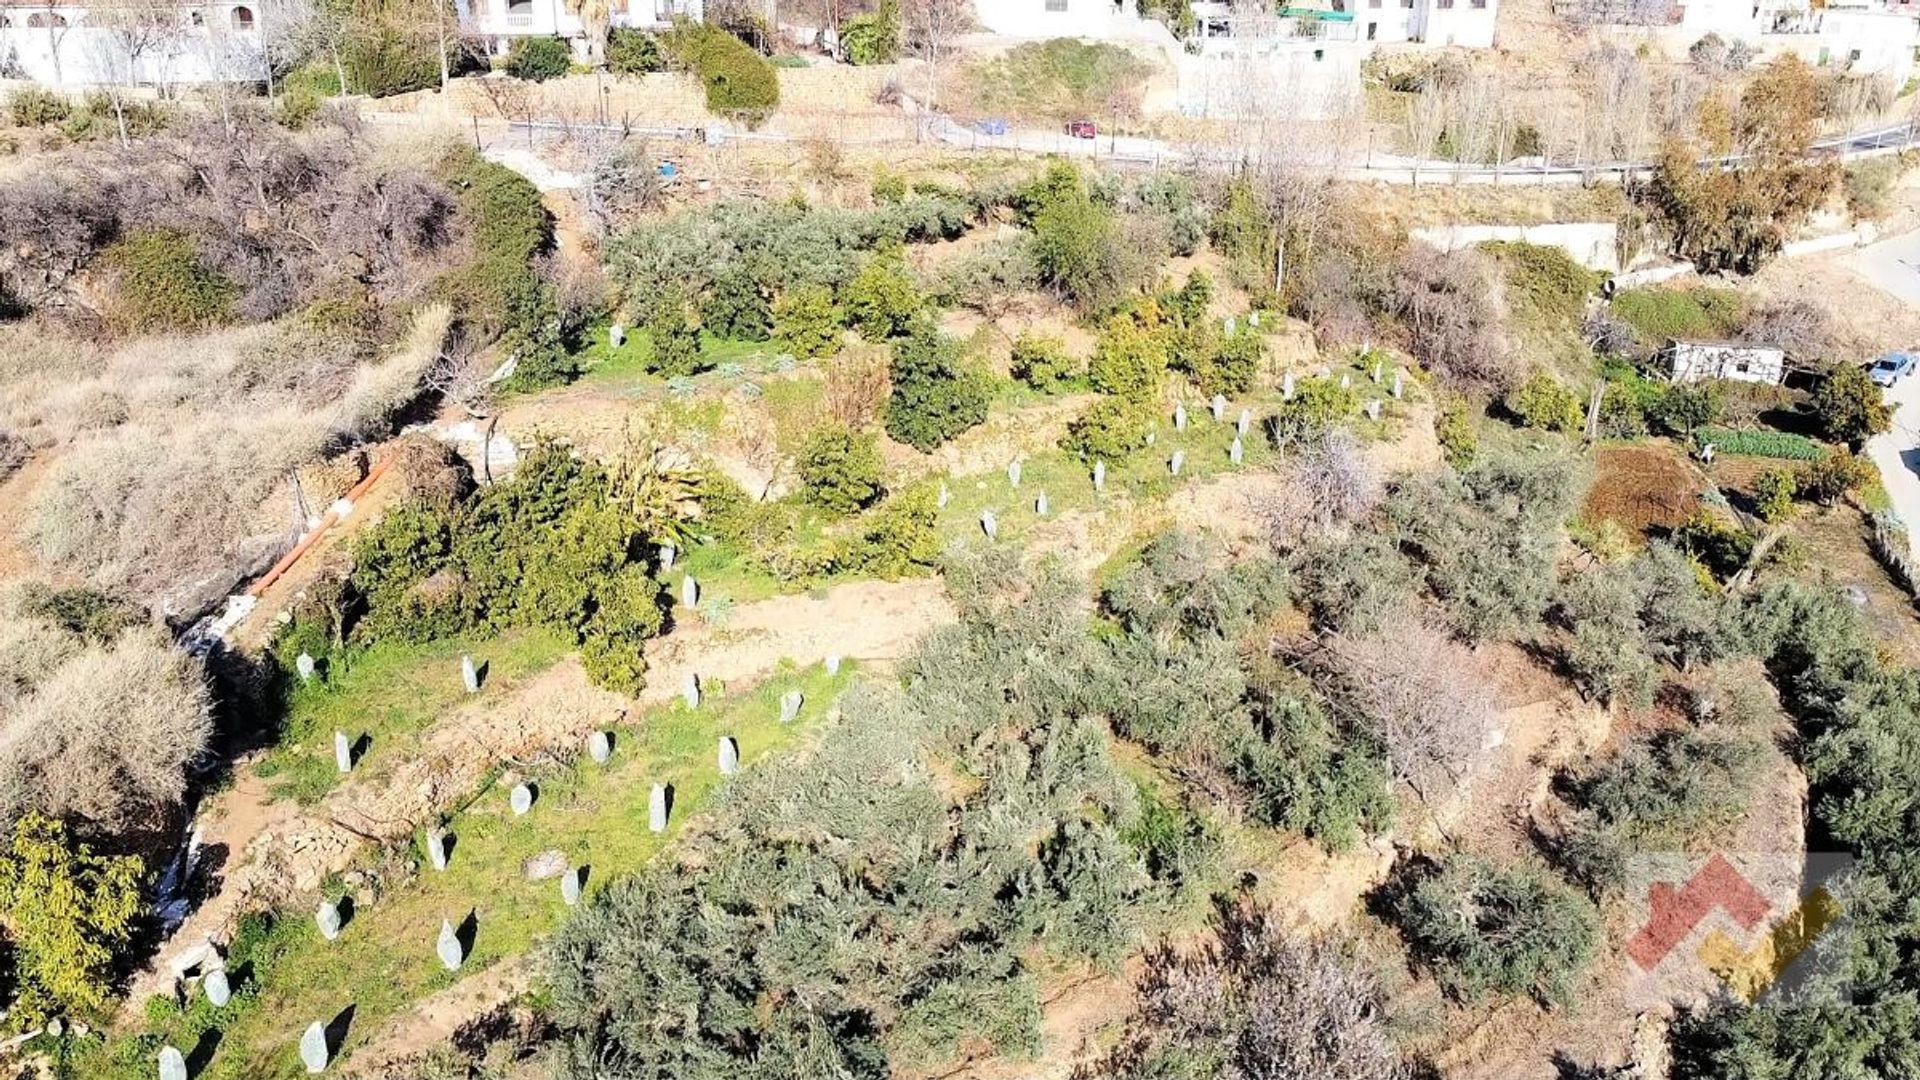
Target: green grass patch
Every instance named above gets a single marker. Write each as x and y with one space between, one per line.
1147 477
389 693
384 960
1657 314
632 361
1768 444
1059 79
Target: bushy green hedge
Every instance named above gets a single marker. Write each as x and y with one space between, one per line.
161 283
634 52
499 292
1111 429
1546 286
935 396
1484 929
741 85
1658 314
1541 402
1770 444
551 547
538 59
841 470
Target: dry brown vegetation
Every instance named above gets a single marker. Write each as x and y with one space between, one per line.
167 447
1642 487
90 729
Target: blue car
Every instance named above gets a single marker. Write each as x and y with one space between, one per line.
1891 368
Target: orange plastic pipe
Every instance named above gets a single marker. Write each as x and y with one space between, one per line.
327 522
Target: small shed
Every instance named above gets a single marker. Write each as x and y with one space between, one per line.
1693 361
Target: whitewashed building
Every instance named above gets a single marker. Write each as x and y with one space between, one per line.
1861 37
498 22
75 46
1695 361
1467 23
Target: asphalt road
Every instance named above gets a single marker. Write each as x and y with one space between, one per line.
1893 265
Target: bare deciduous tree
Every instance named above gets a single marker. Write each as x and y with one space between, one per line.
1326 486
1262 1002
1420 693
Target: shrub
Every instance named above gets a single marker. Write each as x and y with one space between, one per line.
740 84
1256 1001
108 736
388 49
1112 430
988 279
1083 253
70 917
894 539
634 52
1684 408
735 307
1629 616
882 299
1230 368
1661 793
675 338
554 546
161 283
1720 547
840 470
1129 359
538 59
1450 305
1541 402
1544 283
806 322
1773 492
1043 362
1832 477
1317 406
33 106
1483 929
934 397
1849 406
873 38
1459 439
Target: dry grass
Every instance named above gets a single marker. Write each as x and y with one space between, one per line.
168 447
100 731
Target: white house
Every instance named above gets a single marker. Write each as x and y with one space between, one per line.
1100 20
65 44
1693 361
498 22
1467 23
1864 37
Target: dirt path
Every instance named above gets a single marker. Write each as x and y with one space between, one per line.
433 1022
290 853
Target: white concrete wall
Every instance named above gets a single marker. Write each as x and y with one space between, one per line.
1096 19
1384 22
1462 24
81 54
1592 244
1314 80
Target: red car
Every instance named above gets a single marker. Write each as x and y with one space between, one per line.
1082 129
